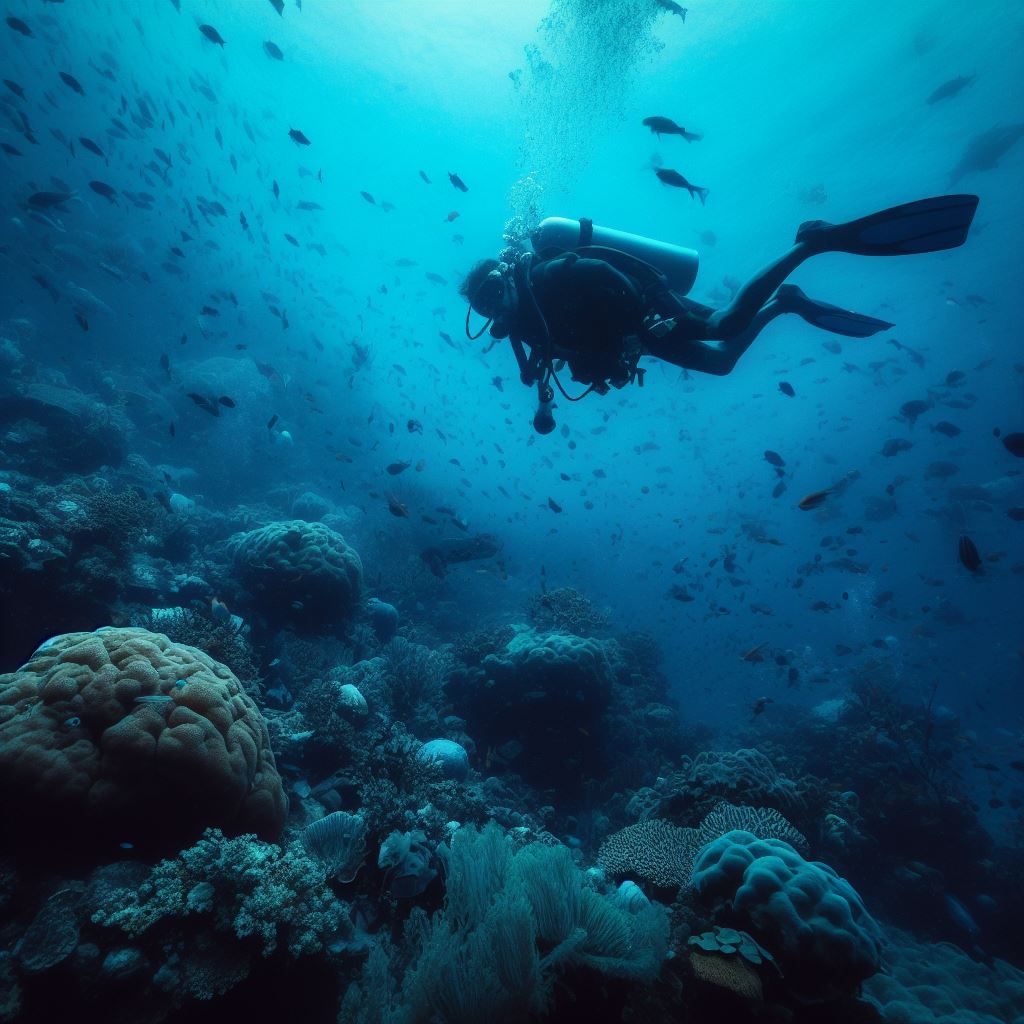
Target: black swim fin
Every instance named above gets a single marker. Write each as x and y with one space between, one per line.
928 225
828 317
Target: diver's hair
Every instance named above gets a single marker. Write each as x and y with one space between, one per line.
476 277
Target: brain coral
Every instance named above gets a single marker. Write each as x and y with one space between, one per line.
811 920
298 570
123 736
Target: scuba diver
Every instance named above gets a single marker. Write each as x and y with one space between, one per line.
599 299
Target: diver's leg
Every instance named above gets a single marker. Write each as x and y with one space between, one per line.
927 225
737 317
681 348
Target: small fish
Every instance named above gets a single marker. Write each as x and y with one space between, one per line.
496 381
947 428
396 508
398 467
1016 513
968 555
9 149
277 190
165 364
669 177
672 7
553 505
292 239
212 34
270 423
813 500
456 181
45 200
787 389
204 403
103 189
155 699
949 89
91 146
19 26
209 311
1014 444
243 221
425 178
227 402
774 458
278 6
452 216
72 83
369 198
171 430
666 126
298 137
762 702
82 322
272 50
754 656
15 88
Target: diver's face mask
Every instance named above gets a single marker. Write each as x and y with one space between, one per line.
496 294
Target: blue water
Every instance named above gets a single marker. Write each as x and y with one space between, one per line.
807 111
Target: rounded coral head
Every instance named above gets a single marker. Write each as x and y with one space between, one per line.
122 737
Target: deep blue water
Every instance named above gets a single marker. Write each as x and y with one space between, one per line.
806 110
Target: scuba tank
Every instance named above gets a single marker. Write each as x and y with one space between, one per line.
678 264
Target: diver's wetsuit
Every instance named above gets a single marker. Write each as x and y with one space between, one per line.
584 306
594 314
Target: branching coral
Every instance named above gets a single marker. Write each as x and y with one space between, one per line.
566 610
242 885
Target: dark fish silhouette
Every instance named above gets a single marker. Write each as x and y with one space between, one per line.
774 458
91 146
277 190
914 408
19 26
786 388
666 126
950 88
72 83
44 200
425 178
1014 444
968 554
984 151
292 239
228 403
212 34
20 93
553 505
669 177
278 6
813 500
103 189
672 7
270 423
204 403
947 428
397 467
369 198
272 50
456 181
298 137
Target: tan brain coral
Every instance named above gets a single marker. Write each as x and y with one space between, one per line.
123 736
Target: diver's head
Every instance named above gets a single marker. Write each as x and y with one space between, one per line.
490 290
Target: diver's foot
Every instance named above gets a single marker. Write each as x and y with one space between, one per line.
790 298
815 234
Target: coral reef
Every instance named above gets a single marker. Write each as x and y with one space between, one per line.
299 572
810 919
121 735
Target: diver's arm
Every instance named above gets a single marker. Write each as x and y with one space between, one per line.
526 371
